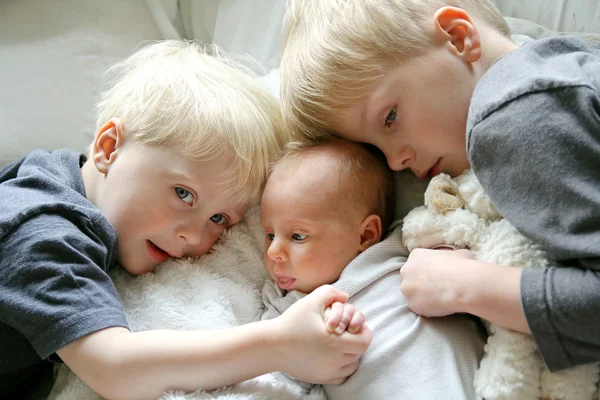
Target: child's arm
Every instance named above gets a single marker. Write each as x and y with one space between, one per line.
440 282
119 364
343 316
537 158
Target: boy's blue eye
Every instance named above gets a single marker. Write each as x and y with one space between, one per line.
270 237
218 219
184 195
391 117
298 237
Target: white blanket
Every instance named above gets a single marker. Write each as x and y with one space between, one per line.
219 290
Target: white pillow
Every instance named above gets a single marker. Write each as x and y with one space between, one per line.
53 55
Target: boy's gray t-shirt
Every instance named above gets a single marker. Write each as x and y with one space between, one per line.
55 250
533 140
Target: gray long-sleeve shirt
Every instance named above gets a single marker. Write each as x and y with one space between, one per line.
533 139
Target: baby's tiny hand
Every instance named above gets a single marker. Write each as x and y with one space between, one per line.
343 316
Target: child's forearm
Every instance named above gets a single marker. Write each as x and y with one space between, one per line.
492 292
119 364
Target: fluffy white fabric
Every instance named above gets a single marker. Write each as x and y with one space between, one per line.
458 212
219 290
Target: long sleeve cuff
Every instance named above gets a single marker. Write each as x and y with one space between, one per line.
536 300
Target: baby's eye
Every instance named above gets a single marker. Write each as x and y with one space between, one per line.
298 237
391 117
270 237
184 195
218 219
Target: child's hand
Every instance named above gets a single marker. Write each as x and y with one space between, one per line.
340 317
433 280
308 352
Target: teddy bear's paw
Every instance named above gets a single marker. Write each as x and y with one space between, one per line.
510 368
442 195
577 383
422 228
475 198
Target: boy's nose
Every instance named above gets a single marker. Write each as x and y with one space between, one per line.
192 235
401 159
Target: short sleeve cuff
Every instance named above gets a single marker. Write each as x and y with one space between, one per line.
66 331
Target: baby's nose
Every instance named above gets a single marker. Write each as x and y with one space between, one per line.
275 251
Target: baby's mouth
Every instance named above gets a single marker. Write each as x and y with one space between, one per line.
285 283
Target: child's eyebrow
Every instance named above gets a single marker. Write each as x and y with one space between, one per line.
173 173
235 216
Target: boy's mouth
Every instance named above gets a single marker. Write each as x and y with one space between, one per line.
156 253
435 170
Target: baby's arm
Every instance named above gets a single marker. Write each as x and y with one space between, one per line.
119 364
343 316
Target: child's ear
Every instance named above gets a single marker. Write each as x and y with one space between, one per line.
108 140
454 26
370 231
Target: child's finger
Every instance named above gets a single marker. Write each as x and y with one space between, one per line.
326 314
333 317
357 322
347 314
325 295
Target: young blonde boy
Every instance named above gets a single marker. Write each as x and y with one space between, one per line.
181 151
438 86
326 212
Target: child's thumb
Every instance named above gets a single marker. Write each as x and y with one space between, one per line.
326 295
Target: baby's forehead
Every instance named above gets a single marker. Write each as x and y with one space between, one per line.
318 158
316 188
314 170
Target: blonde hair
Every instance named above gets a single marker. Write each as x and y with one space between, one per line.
334 50
361 171
193 99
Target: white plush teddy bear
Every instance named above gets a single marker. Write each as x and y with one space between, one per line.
458 213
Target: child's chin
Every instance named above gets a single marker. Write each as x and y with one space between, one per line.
137 268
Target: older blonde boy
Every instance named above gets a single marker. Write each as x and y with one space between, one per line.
438 86
326 211
181 151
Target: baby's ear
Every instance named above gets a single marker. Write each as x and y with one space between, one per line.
106 143
454 26
370 231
